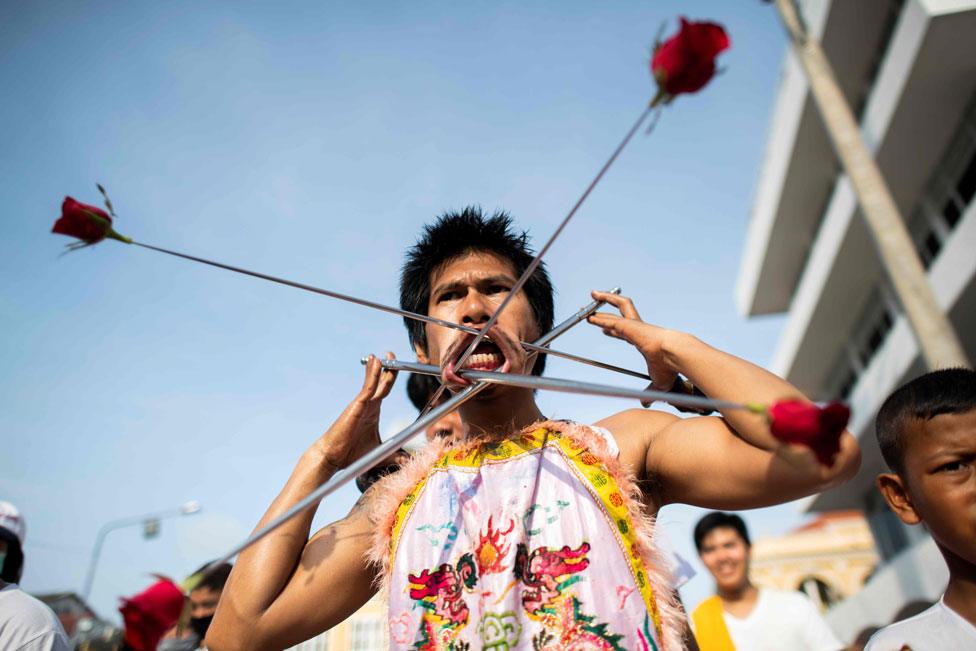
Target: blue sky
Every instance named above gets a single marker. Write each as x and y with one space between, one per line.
312 141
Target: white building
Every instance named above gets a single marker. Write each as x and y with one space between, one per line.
908 68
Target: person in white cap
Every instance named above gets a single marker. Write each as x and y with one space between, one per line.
26 624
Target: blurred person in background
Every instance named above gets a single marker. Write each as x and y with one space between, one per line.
741 616
26 624
204 588
420 389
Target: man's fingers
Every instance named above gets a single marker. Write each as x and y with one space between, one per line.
372 377
386 380
622 303
612 325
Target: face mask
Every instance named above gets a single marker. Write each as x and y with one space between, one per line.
199 625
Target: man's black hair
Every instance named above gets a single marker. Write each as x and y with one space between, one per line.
948 391
716 520
214 578
457 233
13 564
420 389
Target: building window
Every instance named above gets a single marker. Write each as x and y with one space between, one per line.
950 192
367 634
318 643
870 333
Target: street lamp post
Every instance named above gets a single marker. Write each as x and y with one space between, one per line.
187 508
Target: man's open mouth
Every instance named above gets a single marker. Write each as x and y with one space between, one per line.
486 357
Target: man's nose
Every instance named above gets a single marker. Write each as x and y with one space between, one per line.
476 308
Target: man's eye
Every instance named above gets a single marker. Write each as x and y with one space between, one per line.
448 296
952 466
498 289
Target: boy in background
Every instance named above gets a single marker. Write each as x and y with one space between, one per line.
927 434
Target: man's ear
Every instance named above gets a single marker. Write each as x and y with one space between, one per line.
421 354
896 494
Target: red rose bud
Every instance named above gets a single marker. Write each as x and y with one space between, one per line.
804 423
686 62
88 223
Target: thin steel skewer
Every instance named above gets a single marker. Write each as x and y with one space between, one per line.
535 347
350 472
581 315
386 448
316 290
585 360
570 386
538 257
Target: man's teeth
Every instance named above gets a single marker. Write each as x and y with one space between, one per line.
484 360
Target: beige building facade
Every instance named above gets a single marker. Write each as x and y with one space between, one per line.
829 558
364 630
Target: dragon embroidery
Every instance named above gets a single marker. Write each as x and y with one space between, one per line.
543 574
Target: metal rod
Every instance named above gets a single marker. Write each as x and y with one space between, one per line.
350 472
585 360
376 455
400 312
570 386
538 257
316 290
582 314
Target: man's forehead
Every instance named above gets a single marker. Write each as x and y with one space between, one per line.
721 534
472 266
945 432
203 593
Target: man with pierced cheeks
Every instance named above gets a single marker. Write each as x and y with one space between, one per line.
529 533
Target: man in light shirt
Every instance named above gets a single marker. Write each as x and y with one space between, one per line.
741 616
26 624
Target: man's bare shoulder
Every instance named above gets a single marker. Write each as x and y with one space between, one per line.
637 422
633 430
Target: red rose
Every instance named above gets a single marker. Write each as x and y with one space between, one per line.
818 428
685 62
149 614
88 223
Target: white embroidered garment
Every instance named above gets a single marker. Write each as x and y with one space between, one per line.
534 542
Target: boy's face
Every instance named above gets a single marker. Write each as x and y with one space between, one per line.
468 290
939 482
203 602
726 555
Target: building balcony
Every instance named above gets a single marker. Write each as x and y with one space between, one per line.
917 78
953 279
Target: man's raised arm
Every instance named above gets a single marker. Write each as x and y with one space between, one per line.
286 588
732 462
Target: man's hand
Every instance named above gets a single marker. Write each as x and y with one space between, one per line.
356 431
648 339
